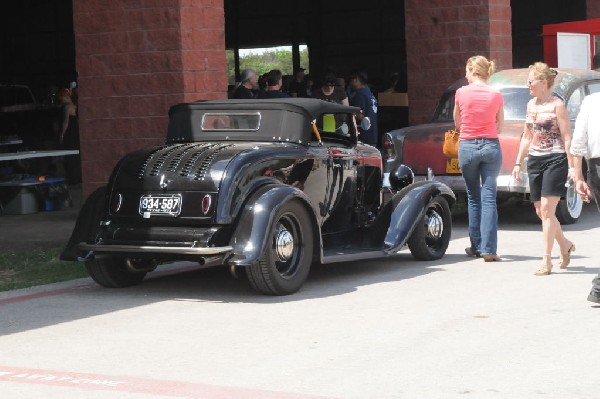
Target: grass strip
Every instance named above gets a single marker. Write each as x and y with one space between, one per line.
28 268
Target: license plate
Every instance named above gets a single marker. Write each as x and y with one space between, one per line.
169 205
452 166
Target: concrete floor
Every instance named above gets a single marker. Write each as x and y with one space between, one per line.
39 230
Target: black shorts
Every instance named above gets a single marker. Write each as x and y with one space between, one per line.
547 175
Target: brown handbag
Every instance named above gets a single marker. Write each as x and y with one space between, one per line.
451 143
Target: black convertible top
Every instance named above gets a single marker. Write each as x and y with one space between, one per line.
311 107
283 119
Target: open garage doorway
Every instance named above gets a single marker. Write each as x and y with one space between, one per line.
263 59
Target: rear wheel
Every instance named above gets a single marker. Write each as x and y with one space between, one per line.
113 272
286 261
431 236
569 209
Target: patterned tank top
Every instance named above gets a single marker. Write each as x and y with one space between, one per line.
542 123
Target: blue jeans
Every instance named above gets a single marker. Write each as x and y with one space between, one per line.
480 161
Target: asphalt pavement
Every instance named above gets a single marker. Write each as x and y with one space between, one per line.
388 328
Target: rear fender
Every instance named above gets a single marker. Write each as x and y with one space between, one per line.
93 211
250 236
410 205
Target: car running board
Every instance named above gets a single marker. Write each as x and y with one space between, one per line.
346 255
98 248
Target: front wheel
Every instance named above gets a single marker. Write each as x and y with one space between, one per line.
569 209
286 260
431 236
112 272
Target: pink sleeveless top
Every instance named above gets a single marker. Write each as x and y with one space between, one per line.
542 123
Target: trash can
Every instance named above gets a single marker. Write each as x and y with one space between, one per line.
19 197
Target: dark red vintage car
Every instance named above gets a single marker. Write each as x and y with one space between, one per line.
421 146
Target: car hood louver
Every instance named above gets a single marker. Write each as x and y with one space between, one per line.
175 165
187 160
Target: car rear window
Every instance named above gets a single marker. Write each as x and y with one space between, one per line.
249 121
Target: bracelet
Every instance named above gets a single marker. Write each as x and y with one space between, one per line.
518 164
571 169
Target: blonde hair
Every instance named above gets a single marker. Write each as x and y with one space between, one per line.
542 71
481 66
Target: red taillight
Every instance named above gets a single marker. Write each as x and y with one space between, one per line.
116 202
206 202
388 148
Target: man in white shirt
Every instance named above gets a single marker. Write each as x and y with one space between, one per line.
586 143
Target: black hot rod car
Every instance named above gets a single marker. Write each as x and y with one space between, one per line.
269 186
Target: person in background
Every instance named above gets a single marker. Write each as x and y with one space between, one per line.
364 99
392 83
309 86
586 143
249 83
329 91
341 82
69 135
546 142
479 116
297 87
274 83
262 84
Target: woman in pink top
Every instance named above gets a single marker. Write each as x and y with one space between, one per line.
546 141
479 115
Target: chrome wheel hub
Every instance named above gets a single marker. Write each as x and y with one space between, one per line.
435 225
284 245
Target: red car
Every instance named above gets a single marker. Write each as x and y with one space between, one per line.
421 146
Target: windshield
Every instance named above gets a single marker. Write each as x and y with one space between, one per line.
515 102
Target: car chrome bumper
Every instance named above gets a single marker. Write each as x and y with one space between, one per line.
505 183
99 248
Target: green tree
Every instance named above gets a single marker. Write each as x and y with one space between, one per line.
262 63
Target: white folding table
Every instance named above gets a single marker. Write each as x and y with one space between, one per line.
9 156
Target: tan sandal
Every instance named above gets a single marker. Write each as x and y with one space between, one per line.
545 268
565 259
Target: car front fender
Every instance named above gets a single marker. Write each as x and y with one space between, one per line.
250 237
410 205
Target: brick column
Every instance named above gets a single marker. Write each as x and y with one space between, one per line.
593 9
134 60
440 38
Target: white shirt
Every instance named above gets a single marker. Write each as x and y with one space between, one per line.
586 136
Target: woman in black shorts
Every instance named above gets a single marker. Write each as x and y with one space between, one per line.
546 141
